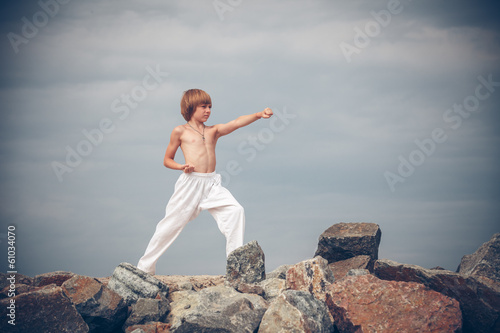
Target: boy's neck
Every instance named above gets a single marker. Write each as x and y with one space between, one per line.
195 123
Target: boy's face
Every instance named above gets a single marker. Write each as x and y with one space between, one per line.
202 112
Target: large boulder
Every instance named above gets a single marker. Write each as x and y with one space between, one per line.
346 240
102 309
368 304
46 309
131 283
296 311
246 264
479 297
313 276
484 262
215 309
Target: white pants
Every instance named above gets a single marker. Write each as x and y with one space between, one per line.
193 193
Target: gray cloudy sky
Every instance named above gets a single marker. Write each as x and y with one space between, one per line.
387 112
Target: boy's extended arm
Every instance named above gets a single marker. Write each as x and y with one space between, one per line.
225 129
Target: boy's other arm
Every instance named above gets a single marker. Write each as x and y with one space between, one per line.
173 145
225 129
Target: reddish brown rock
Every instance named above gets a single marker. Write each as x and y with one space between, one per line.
247 288
368 304
346 240
102 309
46 309
311 275
341 268
58 278
479 297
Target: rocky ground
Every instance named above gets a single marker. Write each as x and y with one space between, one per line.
344 288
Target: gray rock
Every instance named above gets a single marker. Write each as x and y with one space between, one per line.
47 309
484 262
479 297
147 310
246 264
347 240
131 283
273 287
215 309
278 273
296 311
102 309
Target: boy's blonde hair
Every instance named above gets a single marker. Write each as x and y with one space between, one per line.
191 99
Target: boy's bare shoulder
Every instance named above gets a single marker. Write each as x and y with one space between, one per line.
179 129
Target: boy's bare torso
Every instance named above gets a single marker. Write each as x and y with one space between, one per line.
198 152
198 141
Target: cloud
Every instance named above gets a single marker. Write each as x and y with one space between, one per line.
352 123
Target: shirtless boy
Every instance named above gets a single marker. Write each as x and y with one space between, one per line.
198 187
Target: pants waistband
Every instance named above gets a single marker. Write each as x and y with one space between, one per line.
201 174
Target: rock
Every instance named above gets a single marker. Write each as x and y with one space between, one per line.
484 262
254 288
279 273
147 310
153 327
479 297
358 272
346 240
246 264
438 268
216 309
131 283
57 278
273 287
296 311
341 268
368 304
46 309
313 276
7 279
102 309
15 289
198 282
